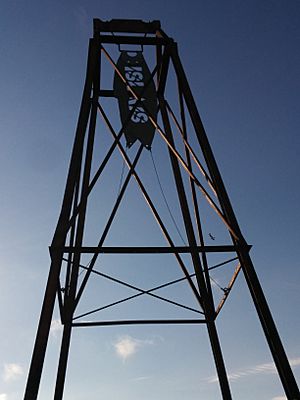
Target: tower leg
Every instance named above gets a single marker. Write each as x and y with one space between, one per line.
63 360
280 358
38 356
219 361
207 301
41 341
279 355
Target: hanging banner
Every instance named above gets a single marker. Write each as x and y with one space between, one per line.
134 69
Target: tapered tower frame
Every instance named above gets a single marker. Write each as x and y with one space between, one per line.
67 242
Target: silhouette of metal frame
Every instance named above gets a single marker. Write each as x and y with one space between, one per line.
67 242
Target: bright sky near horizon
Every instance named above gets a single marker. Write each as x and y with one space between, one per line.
242 60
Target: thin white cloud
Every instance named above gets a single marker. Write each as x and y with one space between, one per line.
260 369
56 327
12 372
295 362
126 346
82 18
279 398
139 379
3 396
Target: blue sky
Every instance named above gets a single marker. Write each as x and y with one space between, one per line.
243 63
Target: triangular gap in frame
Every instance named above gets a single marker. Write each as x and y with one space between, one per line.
140 164
175 105
224 269
183 164
209 213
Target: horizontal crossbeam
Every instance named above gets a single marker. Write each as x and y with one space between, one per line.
126 25
152 41
147 249
140 322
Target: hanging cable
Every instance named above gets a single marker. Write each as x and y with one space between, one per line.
165 199
217 284
84 267
122 175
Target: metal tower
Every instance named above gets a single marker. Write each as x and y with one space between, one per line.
147 111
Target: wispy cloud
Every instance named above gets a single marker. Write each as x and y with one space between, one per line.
11 373
3 396
82 18
126 346
260 369
56 327
138 379
279 398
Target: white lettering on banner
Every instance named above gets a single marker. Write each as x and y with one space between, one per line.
139 115
134 75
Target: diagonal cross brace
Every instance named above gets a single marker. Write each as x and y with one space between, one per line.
174 151
152 207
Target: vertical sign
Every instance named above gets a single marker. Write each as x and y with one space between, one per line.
134 69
